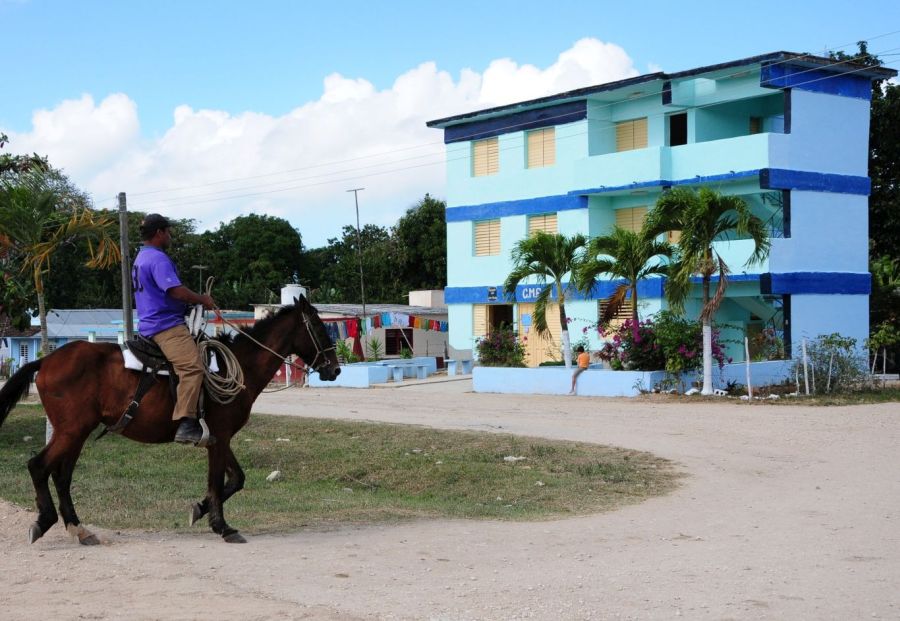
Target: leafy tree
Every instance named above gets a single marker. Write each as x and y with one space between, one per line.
547 258
38 216
339 278
704 217
421 238
623 255
884 158
251 257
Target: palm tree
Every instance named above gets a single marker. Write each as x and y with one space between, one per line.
547 258
625 255
704 217
38 216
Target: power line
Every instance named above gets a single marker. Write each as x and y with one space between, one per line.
202 198
509 127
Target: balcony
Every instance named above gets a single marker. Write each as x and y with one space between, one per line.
671 164
719 157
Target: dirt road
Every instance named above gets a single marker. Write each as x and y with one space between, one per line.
786 513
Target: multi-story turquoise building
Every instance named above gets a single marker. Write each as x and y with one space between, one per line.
787 132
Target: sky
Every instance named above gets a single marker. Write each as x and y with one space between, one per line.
211 110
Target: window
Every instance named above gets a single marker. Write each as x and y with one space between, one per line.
631 134
678 129
541 147
23 353
625 312
396 340
485 157
487 238
544 222
631 218
755 125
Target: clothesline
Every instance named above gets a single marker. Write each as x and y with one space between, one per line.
402 320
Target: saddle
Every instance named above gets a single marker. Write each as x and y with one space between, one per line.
143 355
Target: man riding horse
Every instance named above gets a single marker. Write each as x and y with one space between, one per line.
161 300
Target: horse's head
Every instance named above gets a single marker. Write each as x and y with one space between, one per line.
312 343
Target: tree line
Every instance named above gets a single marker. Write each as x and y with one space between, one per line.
250 257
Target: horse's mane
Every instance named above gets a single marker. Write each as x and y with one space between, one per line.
257 329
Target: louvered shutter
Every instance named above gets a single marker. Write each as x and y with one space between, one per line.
631 134
543 222
542 147
487 238
631 218
485 157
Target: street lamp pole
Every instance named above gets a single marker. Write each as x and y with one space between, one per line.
201 268
362 283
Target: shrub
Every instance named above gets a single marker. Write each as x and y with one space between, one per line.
500 348
666 342
767 345
376 349
835 364
344 352
406 353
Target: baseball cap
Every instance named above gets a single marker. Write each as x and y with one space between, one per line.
153 222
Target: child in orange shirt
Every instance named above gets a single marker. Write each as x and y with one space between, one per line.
584 360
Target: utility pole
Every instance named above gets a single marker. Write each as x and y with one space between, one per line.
126 267
362 282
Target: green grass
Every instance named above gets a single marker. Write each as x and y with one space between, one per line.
337 472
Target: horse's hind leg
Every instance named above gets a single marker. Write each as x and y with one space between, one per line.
40 467
62 478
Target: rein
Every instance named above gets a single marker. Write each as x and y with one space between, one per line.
320 352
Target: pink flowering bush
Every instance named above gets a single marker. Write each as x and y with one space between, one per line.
664 342
501 348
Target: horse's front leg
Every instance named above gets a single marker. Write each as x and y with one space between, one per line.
216 494
234 484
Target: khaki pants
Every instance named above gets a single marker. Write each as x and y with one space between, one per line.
181 350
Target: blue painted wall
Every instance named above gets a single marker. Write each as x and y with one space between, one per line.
822 161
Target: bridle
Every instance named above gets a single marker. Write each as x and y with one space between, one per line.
320 351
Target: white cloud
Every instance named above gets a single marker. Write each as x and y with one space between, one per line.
353 135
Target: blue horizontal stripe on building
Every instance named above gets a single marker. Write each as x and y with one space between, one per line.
770 179
811 283
493 294
794 283
542 204
780 75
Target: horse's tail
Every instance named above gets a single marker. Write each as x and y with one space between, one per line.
16 387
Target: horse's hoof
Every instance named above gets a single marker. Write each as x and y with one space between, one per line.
196 513
234 537
34 533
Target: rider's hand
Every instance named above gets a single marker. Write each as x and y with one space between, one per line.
208 302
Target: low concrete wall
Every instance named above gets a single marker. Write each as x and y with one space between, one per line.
364 374
357 375
598 382
595 382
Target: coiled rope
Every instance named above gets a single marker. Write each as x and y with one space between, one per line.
223 387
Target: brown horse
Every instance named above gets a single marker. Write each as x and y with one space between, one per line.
82 385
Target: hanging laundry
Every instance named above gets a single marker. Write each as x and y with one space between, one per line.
332 331
353 328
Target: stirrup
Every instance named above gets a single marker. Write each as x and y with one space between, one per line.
206 439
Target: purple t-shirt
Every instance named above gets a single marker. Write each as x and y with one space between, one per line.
153 274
